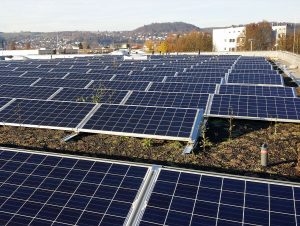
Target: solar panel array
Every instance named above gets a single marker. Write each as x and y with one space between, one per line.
39 188
185 198
247 85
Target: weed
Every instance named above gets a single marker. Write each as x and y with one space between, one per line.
205 142
231 124
147 144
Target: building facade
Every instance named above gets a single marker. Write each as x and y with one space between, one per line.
226 40
231 38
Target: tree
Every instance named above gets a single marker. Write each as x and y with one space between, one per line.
191 42
12 45
80 46
149 45
286 43
281 43
85 45
163 47
27 45
261 36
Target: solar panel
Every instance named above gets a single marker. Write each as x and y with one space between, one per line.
89 76
89 66
6 72
63 69
28 68
183 87
207 70
200 74
253 71
164 99
44 74
153 73
164 69
283 109
17 81
131 67
4 66
47 189
186 198
257 90
72 83
112 70
90 95
119 85
48 66
214 80
140 121
139 78
253 66
47 114
27 92
255 79
4 101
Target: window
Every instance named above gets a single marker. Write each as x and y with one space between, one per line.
225 40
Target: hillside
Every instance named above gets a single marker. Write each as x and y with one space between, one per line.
176 27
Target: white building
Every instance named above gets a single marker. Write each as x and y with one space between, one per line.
225 40
229 39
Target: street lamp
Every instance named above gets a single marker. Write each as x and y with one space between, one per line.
251 43
276 46
294 41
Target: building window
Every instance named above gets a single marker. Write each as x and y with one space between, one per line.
225 40
225 49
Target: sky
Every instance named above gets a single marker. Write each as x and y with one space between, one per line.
120 15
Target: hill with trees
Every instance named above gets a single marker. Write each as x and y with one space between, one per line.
176 27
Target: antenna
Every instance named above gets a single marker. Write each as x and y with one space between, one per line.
294 36
57 40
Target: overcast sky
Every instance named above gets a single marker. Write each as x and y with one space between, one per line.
94 15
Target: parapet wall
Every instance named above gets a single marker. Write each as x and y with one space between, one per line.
293 59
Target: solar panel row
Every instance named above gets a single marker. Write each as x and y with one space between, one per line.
143 121
255 79
139 121
47 189
255 107
185 84
257 90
